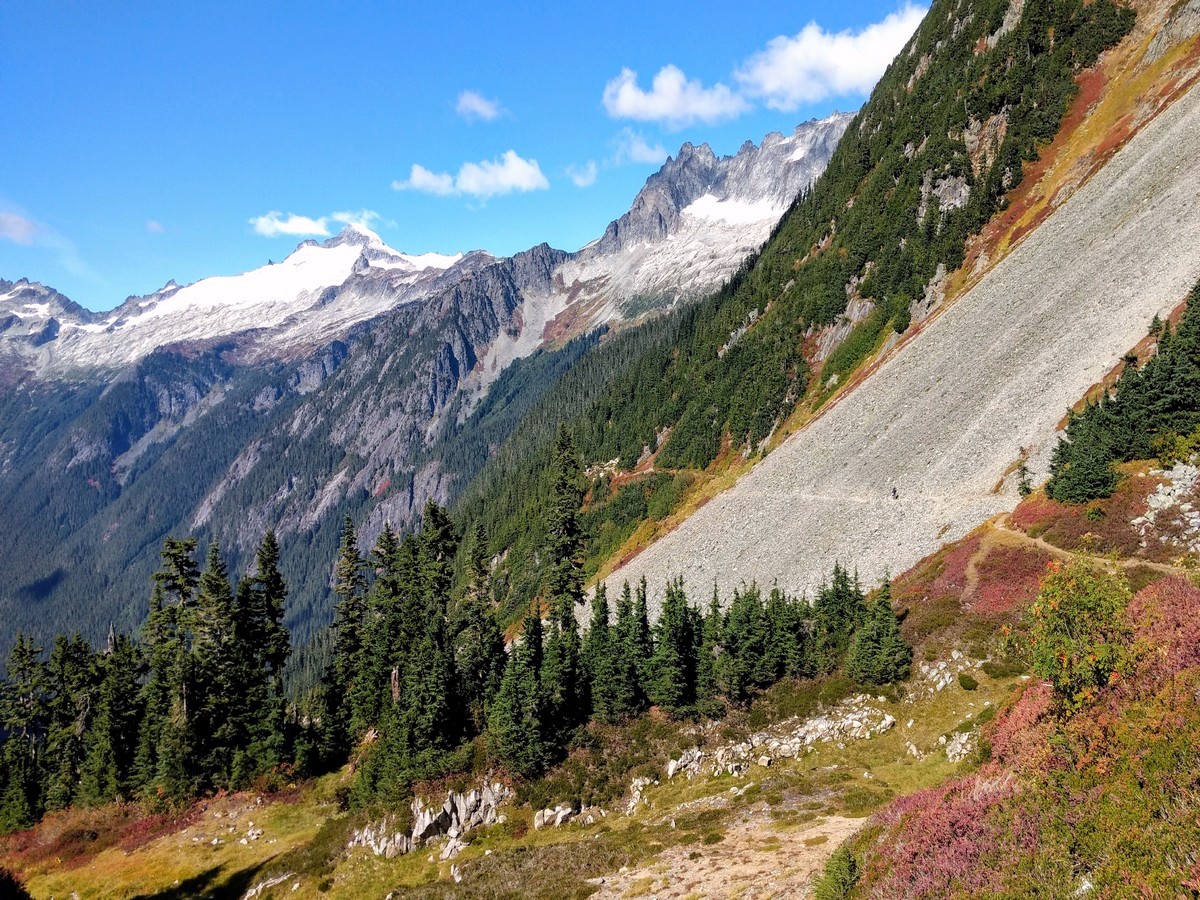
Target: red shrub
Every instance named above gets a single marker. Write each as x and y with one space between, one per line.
1034 510
937 841
1008 580
1166 618
944 574
1018 735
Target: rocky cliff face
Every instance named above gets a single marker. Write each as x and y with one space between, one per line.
695 220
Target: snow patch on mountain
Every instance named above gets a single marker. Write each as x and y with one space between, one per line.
735 212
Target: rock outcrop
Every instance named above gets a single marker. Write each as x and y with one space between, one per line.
456 816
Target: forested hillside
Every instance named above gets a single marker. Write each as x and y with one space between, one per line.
926 163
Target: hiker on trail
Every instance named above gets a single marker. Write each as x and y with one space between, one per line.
895 495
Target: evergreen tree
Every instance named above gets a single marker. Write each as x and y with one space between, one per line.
837 613
710 648
671 681
478 642
349 585
878 653
564 550
742 666
630 656
600 649
263 646
562 679
111 740
515 719
215 713
164 744
23 716
71 683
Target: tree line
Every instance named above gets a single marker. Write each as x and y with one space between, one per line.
195 705
1152 411
420 676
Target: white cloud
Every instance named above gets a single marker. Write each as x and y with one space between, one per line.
473 105
26 232
509 173
633 147
363 217
422 179
276 224
154 226
18 229
673 99
583 176
816 64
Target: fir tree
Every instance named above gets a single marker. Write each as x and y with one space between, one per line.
710 648
111 740
630 656
671 681
743 665
71 683
478 640
600 651
839 609
878 653
349 585
23 716
164 742
215 709
515 720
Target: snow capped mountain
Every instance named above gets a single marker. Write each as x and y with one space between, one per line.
688 229
697 218
320 289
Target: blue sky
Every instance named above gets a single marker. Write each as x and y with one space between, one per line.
150 141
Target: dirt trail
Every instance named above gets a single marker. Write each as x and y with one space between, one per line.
755 860
943 419
1002 524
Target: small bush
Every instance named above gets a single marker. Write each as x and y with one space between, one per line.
841 874
1078 631
1003 668
966 682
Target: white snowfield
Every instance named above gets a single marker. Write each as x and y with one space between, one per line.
946 416
287 296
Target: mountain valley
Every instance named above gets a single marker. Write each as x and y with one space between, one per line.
827 527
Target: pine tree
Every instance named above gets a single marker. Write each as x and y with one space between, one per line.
71 684
878 653
23 716
671 673
111 740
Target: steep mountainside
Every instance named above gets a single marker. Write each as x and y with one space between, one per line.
954 135
946 420
347 378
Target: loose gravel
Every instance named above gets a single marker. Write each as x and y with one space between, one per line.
947 415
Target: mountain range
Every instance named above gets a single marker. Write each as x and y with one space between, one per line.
337 380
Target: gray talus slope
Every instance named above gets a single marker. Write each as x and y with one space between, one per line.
947 415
